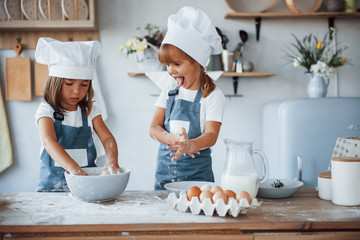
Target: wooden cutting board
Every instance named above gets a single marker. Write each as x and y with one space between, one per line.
41 75
6 158
18 77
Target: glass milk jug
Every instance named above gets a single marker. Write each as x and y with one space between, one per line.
239 173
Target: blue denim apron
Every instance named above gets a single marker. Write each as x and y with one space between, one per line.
185 168
52 177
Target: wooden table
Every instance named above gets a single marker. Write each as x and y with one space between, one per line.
146 215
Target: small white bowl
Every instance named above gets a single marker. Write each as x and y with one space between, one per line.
266 190
97 188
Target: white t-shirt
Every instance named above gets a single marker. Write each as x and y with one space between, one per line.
211 107
74 119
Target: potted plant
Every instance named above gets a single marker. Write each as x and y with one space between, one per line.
145 48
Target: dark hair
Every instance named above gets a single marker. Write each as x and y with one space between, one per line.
52 95
169 54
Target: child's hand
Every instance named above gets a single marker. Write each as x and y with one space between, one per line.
111 168
77 171
181 145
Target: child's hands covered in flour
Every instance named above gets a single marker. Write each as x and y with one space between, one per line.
182 145
111 168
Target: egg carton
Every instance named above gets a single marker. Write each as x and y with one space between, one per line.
233 208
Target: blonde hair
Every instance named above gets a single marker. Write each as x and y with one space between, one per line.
52 95
169 54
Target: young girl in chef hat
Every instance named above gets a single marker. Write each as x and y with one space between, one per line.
68 119
189 111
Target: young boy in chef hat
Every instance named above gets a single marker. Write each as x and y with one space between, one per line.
67 119
189 111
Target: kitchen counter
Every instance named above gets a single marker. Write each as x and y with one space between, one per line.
145 214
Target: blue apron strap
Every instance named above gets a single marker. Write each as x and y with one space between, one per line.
59 117
170 104
198 95
57 126
84 119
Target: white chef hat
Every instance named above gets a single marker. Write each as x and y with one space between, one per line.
74 60
191 30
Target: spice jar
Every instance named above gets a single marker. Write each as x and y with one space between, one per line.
345 181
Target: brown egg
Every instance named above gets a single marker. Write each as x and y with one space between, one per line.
215 189
194 191
230 194
243 194
205 194
206 187
220 195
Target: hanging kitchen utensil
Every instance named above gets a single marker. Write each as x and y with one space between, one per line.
18 76
240 46
257 27
224 38
6 159
243 36
41 75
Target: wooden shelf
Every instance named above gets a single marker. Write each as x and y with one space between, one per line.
235 76
234 15
248 74
41 25
258 16
53 25
136 74
225 74
28 32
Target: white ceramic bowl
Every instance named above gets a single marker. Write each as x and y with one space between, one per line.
97 188
266 190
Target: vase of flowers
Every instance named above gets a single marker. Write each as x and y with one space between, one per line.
144 49
317 87
320 58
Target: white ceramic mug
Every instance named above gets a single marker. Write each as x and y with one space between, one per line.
345 181
324 185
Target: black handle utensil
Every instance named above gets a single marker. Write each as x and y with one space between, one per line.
243 35
224 38
240 46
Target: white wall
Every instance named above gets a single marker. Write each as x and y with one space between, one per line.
130 106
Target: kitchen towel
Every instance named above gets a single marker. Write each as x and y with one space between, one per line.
163 79
347 147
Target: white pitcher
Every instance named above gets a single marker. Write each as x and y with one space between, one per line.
239 173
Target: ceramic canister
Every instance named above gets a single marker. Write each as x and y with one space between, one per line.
345 181
324 185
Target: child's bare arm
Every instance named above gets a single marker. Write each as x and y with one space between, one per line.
54 149
109 143
157 130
